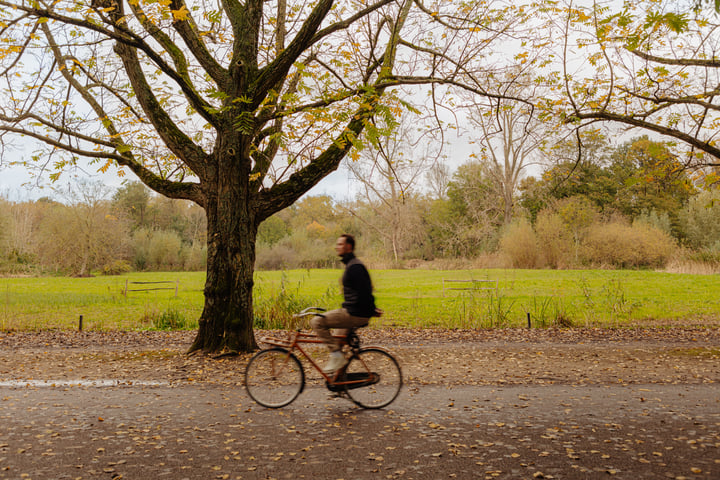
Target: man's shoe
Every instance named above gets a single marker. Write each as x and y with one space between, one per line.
336 362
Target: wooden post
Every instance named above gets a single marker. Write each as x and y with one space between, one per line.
80 324
528 317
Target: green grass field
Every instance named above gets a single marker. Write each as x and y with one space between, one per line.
410 298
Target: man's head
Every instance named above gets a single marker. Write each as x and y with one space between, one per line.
345 244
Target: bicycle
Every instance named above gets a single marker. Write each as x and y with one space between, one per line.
274 377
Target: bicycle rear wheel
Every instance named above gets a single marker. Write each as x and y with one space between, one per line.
274 377
378 378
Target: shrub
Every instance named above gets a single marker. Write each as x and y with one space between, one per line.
165 250
555 239
5 226
277 257
318 254
14 263
118 267
710 255
195 258
81 238
141 247
520 244
619 245
170 319
700 220
157 250
653 218
696 262
296 251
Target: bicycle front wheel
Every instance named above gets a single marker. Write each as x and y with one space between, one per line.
274 377
373 378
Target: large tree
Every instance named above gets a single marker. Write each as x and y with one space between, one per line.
389 181
649 176
469 219
509 132
238 106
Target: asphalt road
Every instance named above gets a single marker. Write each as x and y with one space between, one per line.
205 431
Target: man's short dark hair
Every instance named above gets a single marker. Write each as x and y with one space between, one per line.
349 239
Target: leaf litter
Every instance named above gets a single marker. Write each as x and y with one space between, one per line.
509 436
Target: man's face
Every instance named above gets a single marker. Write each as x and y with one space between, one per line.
342 247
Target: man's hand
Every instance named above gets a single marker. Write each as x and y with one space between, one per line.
378 312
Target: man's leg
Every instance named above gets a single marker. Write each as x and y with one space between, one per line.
322 324
340 319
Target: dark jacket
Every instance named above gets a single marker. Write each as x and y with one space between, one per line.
357 288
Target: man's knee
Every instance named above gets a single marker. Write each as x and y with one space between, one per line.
317 322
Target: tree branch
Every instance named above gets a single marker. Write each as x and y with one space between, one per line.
188 30
180 190
285 194
685 100
171 135
270 74
681 62
125 157
335 27
124 36
707 147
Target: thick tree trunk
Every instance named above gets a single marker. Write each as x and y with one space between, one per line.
226 322
227 318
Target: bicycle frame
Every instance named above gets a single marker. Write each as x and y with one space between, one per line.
298 338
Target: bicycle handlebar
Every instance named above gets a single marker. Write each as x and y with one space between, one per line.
309 311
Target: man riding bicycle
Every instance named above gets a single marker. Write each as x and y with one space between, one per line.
357 309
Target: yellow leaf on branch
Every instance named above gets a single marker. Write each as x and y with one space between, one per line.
180 15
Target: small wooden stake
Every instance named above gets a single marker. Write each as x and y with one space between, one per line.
80 324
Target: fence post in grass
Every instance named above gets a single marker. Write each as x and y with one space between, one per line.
80 324
528 317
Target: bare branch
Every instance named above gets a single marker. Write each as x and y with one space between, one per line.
671 132
681 62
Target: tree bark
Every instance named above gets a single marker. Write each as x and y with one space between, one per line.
227 319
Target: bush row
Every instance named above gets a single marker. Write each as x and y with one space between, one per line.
614 243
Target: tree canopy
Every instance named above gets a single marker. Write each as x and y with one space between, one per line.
654 67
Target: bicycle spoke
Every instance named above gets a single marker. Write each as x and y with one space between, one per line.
274 377
373 378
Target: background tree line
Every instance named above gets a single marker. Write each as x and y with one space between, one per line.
626 206
91 231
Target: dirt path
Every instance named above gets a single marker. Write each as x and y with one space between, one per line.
499 357
513 404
